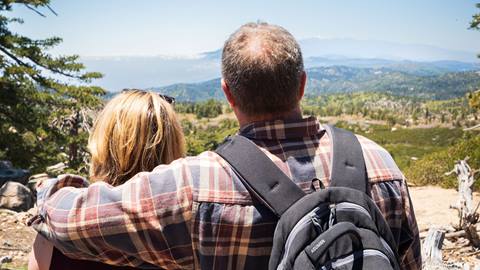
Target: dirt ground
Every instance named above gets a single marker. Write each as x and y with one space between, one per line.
15 239
431 206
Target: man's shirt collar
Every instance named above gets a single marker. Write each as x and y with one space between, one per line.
283 129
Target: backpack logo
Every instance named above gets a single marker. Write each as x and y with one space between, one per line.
318 245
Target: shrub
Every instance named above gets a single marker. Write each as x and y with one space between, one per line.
431 169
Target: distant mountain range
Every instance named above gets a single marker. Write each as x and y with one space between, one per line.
343 79
149 71
353 48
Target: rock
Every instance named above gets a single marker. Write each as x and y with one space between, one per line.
6 244
57 168
8 173
35 179
5 259
15 196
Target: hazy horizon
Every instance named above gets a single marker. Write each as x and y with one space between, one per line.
153 43
152 28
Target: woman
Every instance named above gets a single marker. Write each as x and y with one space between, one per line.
136 131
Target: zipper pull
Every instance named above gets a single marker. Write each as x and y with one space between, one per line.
317 224
332 217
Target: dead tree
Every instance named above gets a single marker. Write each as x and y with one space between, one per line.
468 216
432 247
432 258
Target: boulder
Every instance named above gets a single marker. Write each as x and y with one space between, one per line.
8 173
15 196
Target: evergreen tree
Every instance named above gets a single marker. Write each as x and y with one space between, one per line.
474 98
44 99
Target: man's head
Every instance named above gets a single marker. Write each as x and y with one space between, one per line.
262 69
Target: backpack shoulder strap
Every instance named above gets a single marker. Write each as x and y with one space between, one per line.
259 174
348 165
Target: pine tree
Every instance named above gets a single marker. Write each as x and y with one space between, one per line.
44 99
474 98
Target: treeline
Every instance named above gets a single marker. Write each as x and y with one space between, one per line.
208 109
393 109
343 79
200 139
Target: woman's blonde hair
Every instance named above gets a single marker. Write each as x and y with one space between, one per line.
136 131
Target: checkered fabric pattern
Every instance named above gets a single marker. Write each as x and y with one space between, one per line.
195 213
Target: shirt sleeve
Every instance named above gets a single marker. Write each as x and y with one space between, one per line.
409 244
142 223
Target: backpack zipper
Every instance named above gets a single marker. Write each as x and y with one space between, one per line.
351 258
351 206
304 222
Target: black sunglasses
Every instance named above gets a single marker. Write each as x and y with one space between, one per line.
168 99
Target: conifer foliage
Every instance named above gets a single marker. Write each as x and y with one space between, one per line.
45 100
475 96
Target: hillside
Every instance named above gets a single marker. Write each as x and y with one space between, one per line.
343 79
160 70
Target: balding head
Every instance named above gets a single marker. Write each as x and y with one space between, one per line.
263 67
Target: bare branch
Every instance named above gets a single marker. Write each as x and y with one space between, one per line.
51 10
35 10
471 128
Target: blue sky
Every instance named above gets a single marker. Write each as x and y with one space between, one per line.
154 27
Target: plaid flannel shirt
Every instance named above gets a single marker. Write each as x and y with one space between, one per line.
196 214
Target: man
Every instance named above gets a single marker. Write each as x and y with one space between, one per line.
195 212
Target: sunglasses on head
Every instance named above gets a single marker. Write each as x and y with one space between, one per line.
168 99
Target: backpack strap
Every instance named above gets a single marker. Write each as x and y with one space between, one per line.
259 174
348 165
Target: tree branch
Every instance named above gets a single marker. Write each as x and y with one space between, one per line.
51 10
35 10
20 62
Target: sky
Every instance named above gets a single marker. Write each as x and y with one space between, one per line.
157 27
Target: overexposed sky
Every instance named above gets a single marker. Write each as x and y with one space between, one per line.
157 27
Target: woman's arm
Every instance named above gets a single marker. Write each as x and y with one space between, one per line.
41 254
143 222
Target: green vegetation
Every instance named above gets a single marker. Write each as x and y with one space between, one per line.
432 168
419 118
423 154
342 79
10 266
209 109
392 109
44 99
325 80
407 145
475 96
200 139
425 137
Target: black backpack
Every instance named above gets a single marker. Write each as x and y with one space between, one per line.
335 228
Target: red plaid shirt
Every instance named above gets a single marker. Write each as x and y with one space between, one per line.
196 214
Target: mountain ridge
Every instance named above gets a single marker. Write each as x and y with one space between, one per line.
344 79
145 71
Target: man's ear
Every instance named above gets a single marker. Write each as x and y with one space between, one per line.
228 93
303 82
